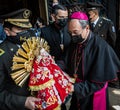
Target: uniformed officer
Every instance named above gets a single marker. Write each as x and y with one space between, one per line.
13 97
100 25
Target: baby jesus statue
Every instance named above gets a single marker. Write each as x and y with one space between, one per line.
46 80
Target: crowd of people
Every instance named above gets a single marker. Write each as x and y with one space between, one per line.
82 44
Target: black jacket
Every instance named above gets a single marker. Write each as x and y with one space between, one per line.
12 97
52 36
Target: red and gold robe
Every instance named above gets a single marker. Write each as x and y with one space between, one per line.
50 82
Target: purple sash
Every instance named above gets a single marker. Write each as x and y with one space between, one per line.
99 99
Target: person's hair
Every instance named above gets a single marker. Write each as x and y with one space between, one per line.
58 7
8 25
97 11
40 20
83 23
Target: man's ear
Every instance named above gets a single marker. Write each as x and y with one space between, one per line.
53 17
87 27
7 31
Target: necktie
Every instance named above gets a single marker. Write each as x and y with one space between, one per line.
92 26
61 43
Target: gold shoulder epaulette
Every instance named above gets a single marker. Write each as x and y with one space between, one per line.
1 52
106 18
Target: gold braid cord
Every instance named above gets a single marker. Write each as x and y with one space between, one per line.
23 60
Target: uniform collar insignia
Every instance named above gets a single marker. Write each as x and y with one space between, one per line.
99 25
1 52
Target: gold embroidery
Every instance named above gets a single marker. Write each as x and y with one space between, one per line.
51 100
28 25
17 20
42 86
58 107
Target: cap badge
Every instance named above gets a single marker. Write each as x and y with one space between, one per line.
26 14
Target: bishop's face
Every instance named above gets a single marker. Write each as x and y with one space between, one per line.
74 27
78 34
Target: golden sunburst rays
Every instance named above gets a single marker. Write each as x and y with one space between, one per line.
23 60
44 44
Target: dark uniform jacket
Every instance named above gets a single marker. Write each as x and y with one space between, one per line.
52 36
12 97
105 28
98 65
